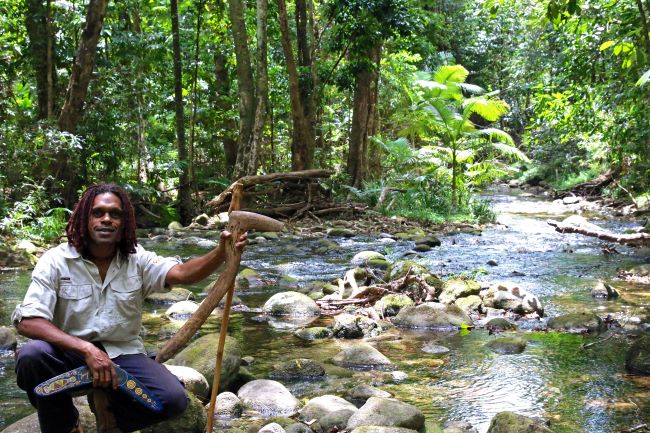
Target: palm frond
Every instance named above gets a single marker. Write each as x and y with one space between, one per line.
450 74
495 134
471 89
489 109
510 151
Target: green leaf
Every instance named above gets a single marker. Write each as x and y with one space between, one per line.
606 45
644 78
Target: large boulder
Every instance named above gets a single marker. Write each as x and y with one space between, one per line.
363 392
432 315
455 288
362 356
291 304
577 323
509 422
355 326
507 345
388 413
318 407
314 333
200 356
228 406
638 356
176 294
193 420
509 296
602 290
269 398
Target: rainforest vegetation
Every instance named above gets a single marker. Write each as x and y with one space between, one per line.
424 101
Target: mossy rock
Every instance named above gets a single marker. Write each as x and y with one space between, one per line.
577 323
499 324
314 333
340 232
193 420
510 422
391 304
638 357
176 294
507 345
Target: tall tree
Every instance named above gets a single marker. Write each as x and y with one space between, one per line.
41 42
82 70
184 187
302 139
244 76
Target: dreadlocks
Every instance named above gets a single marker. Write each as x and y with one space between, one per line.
77 228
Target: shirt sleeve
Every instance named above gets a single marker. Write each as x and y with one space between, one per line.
154 270
40 298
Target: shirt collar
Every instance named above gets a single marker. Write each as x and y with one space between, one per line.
70 252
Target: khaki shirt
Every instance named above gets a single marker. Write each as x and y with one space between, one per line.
67 290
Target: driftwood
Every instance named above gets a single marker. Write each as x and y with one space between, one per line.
592 187
249 181
634 239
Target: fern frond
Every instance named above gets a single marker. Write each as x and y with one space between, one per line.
450 74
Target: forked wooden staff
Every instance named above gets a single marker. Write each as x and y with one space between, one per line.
239 222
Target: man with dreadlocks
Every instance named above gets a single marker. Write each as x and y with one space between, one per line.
83 307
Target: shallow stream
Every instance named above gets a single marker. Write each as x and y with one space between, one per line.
578 390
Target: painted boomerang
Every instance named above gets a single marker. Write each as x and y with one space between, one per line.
80 378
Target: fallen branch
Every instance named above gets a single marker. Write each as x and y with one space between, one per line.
635 428
635 239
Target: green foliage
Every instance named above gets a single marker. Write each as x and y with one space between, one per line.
32 218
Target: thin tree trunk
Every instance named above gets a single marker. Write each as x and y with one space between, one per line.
644 26
454 177
245 81
305 61
38 27
302 138
249 162
195 96
222 104
184 189
82 69
362 120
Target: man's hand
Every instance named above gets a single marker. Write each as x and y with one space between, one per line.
101 367
240 244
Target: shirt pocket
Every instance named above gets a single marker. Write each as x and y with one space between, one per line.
75 292
127 299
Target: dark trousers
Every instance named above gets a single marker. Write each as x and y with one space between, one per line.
38 361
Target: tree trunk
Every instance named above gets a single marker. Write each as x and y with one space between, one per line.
454 179
38 24
247 162
195 95
644 26
222 104
306 78
82 69
362 119
184 189
244 79
302 138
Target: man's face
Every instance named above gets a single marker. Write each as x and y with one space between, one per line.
105 222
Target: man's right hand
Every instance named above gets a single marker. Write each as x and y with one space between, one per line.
101 367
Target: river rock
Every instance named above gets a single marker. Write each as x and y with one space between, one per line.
499 324
579 221
429 240
603 290
318 407
507 345
176 294
175 226
340 232
228 406
269 398
273 427
459 427
325 246
7 338
298 427
182 310
381 429
470 304
193 420
355 326
363 392
638 356
432 315
454 289
291 304
510 422
361 355
27 246
509 296
577 323
435 349
193 381
388 413
364 256
207 244
202 219
390 305
298 369
314 333
248 279
200 355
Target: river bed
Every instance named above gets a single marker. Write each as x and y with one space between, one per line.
577 390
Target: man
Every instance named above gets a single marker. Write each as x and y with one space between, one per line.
83 307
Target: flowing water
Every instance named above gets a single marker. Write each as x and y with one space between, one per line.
578 390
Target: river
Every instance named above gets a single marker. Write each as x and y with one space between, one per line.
578 390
